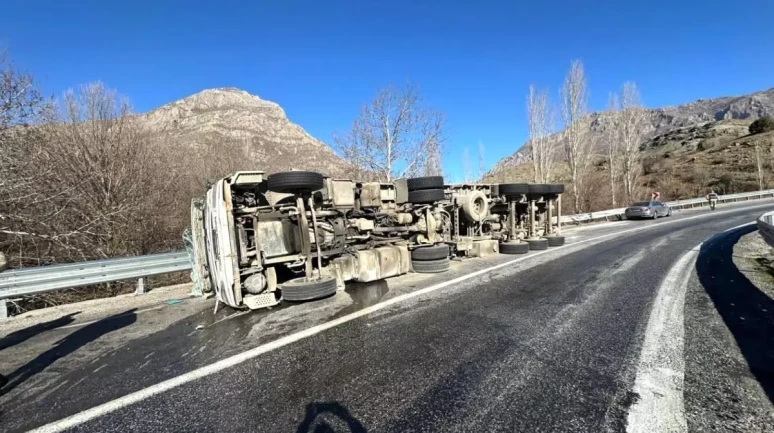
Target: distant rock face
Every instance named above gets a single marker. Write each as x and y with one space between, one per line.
666 119
228 114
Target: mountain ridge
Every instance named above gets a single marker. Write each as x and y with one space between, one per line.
231 116
665 119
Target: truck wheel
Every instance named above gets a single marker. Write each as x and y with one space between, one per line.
555 241
537 244
420 183
431 266
540 189
475 206
556 188
426 196
295 181
431 252
514 248
299 289
513 189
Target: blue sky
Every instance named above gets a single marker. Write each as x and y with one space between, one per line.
472 59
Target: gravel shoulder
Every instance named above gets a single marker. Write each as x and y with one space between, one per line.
729 350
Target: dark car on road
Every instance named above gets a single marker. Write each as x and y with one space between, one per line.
648 209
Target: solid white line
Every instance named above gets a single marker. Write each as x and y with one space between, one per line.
224 364
660 373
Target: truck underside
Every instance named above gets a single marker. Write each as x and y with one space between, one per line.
299 236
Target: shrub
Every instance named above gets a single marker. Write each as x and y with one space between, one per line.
764 124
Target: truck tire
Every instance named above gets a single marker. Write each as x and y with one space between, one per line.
426 196
555 241
295 181
475 206
299 289
540 189
420 183
513 189
431 266
514 248
430 252
556 188
537 244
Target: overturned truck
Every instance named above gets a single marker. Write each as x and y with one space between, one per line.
299 236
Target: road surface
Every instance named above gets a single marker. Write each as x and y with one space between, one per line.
620 330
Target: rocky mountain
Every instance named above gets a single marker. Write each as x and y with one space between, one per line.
229 117
663 120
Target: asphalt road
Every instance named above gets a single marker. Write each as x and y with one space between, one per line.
549 343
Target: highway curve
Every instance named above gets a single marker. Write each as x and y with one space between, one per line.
562 341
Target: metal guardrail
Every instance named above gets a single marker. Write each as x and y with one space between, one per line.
31 281
766 227
678 204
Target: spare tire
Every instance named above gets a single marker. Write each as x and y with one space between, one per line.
425 196
475 206
295 181
429 182
299 289
430 252
513 189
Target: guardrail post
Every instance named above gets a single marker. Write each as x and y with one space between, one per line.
3 309
140 286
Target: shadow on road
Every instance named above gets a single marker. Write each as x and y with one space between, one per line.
324 417
22 335
68 345
747 312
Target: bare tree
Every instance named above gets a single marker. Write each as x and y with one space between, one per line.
540 125
434 164
481 164
21 101
393 135
632 128
21 104
467 169
613 144
759 159
575 136
106 163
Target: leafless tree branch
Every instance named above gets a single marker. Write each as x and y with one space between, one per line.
395 136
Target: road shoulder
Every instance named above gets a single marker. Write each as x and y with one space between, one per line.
729 352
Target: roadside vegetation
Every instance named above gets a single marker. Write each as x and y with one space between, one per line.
623 162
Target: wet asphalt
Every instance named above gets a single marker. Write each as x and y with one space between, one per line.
548 345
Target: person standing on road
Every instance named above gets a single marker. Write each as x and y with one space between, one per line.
712 197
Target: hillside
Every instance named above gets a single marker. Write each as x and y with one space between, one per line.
229 117
663 120
683 163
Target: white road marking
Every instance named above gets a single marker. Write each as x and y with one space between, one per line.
225 364
661 371
660 374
